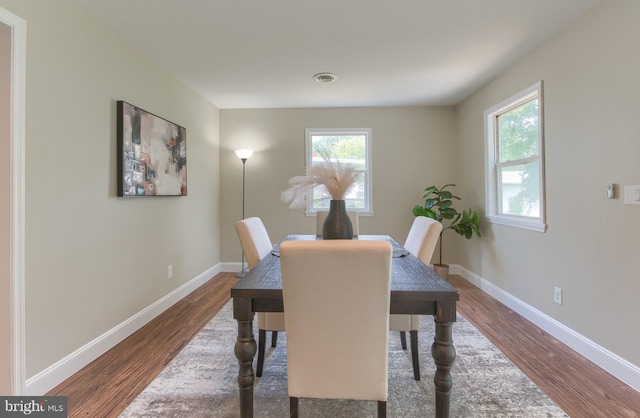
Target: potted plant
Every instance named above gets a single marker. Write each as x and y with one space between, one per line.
438 205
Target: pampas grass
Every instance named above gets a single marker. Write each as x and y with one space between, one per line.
335 176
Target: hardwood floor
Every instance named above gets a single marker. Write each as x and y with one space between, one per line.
105 387
577 385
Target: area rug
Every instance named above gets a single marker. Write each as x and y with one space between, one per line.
201 381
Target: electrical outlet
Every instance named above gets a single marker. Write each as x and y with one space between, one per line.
557 295
169 272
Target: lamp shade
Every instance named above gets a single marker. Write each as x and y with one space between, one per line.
244 154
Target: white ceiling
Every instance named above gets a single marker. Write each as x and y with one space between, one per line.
264 53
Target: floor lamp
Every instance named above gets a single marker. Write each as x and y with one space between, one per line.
244 155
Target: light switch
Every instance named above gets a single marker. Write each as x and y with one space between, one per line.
632 195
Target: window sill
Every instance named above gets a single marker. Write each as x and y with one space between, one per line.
360 213
518 222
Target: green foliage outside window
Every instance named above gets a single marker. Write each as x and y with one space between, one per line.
343 147
348 149
518 134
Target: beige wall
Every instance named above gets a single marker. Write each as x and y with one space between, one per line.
92 259
412 149
5 210
591 91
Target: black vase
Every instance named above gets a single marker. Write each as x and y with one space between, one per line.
337 225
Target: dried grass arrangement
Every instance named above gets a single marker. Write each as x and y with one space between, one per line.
337 177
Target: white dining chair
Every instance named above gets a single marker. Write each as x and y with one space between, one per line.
336 297
421 242
321 216
256 244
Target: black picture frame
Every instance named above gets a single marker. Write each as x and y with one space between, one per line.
152 154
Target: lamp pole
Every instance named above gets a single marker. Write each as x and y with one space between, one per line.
244 155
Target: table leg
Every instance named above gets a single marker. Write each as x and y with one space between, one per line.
444 355
245 349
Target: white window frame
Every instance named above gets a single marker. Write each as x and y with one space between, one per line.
309 132
491 172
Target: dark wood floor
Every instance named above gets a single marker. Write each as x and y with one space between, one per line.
577 385
106 386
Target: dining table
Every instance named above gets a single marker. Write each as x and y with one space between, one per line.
415 289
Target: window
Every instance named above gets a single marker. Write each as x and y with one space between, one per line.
349 146
514 137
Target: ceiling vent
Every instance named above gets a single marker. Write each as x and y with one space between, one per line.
325 77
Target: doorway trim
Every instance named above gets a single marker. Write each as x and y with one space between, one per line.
18 128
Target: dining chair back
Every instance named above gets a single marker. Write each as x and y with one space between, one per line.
421 242
336 297
423 237
321 216
256 244
254 240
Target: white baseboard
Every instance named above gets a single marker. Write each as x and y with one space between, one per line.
55 374
231 266
612 363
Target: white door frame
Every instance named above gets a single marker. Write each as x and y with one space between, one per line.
17 280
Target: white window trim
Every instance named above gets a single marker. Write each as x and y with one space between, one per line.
491 150
341 131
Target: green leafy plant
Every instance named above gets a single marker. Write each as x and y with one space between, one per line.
438 205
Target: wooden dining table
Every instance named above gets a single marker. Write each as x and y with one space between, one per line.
415 289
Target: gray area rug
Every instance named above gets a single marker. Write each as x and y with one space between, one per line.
201 381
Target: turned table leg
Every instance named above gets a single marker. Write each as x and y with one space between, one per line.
245 349
444 355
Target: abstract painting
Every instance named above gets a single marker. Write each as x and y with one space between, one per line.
152 154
